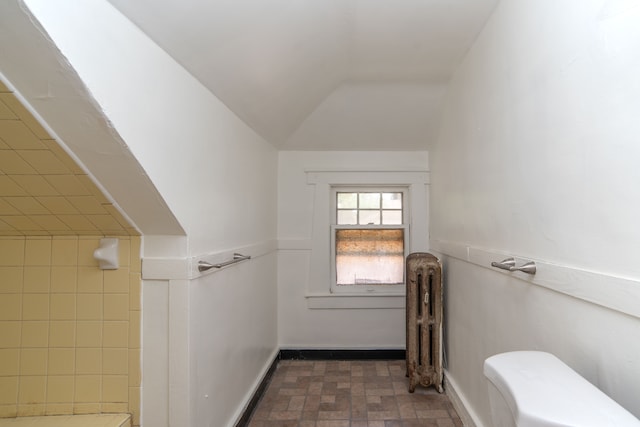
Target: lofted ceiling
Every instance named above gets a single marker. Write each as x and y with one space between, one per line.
321 74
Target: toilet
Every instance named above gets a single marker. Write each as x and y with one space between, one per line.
536 389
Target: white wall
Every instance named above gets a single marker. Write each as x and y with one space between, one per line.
204 334
366 116
308 315
537 158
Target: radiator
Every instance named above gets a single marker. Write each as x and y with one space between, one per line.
424 321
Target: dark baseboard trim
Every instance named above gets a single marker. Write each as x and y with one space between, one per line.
257 395
387 354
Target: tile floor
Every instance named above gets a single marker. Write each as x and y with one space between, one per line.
349 394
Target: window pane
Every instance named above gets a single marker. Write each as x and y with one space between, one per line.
369 200
391 200
347 217
391 217
369 217
347 200
366 257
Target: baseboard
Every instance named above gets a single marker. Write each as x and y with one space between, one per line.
257 394
460 404
341 354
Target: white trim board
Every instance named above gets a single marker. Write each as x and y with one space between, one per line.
617 293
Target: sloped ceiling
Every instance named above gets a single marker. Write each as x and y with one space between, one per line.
290 69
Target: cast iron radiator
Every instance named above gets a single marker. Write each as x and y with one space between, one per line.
424 321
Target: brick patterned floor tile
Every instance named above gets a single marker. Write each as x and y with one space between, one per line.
349 394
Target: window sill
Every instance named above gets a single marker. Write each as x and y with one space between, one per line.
347 300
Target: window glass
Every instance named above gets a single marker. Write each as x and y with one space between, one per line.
369 217
347 200
391 200
348 217
369 256
392 217
369 200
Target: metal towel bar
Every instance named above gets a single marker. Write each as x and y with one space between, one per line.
509 264
204 266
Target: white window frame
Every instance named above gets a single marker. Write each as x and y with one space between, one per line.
318 289
406 202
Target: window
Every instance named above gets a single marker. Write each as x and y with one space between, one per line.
368 239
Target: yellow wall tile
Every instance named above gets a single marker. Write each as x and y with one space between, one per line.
62 333
90 280
37 251
52 224
89 307
69 185
79 224
64 278
35 334
136 262
62 361
8 390
64 251
9 361
37 279
11 279
5 111
62 155
6 208
35 185
10 333
116 334
134 329
33 361
35 410
86 247
87 205
88 361
115 388
89 334
10 306
60 388
11 251
116 306
12 164
63 307
106 223
35 307
135 291
18 136
135 372
47 280
57 205
115 361
8 411
22 223
86 408
115 408
45 162
87 388
59 408
124 254
134 404
27 205
19 110
31 389
116 281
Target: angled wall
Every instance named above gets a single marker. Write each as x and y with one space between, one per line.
196 181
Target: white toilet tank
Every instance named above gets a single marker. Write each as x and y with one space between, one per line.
536 389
